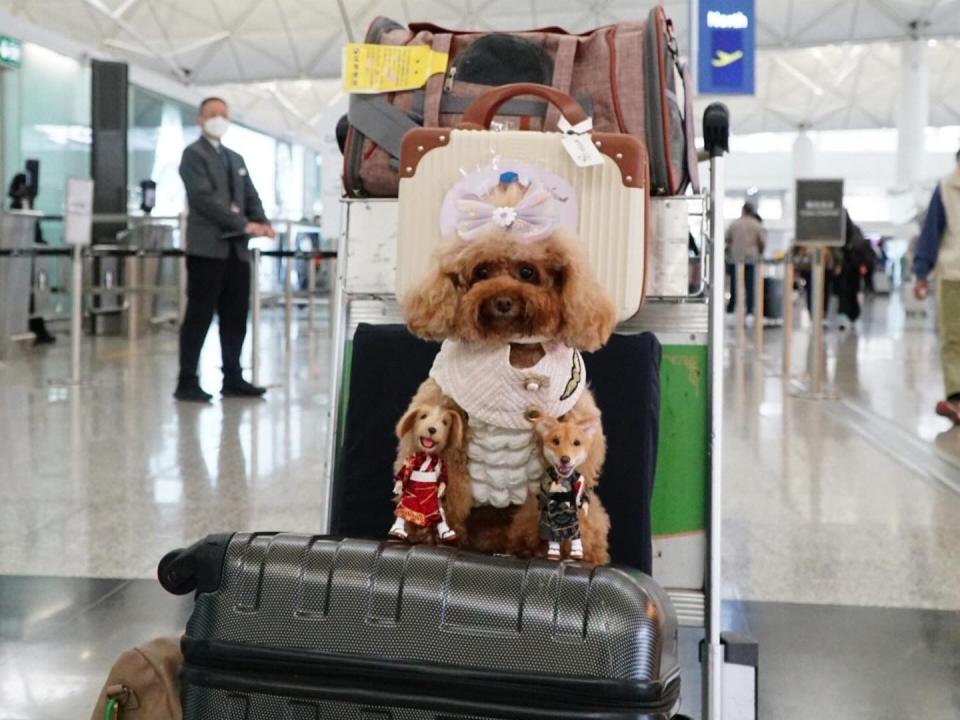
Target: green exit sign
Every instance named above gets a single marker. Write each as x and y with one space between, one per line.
10 52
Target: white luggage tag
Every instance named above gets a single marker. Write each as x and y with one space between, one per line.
578 143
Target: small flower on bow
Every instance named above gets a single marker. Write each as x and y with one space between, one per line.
504 216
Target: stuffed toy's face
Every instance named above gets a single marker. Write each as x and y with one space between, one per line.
565 444
432 429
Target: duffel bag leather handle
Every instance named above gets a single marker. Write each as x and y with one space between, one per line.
482 111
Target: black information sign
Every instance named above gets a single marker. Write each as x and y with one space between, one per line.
820 219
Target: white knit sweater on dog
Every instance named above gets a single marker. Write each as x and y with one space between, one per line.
500 400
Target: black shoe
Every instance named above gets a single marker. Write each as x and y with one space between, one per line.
41 336
238 387
192 392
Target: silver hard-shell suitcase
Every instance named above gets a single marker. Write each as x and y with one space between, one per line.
300 626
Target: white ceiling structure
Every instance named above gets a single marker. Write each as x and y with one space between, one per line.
820 63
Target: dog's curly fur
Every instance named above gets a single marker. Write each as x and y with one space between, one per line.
551 292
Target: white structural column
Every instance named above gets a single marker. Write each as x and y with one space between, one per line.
804 156
331 186
913 112
804 166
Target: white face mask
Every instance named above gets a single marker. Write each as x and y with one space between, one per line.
216 126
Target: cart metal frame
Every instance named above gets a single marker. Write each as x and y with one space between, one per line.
691 319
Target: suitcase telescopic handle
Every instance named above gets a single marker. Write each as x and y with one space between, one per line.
482 111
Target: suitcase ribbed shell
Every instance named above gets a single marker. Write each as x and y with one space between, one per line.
422 604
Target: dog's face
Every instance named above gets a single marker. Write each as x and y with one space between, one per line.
432 429
565 444
506 291
497 289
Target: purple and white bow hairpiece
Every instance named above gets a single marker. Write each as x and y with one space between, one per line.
548 201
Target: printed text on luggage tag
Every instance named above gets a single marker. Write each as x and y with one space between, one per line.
578 142
386 68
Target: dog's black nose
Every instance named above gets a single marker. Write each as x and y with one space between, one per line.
503 305
432 430
565 459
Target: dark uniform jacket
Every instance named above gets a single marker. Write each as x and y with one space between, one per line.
221 198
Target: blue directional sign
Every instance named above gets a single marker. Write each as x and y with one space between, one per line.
727 47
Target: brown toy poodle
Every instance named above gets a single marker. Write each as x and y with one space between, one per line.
513 315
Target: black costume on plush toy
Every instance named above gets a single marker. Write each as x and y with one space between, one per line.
560 498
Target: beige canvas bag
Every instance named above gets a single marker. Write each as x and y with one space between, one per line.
143 683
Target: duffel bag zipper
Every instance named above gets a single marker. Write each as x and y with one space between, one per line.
612 49
318 676
662 60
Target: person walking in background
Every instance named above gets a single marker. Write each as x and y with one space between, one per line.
939 247
225 211
857 263
19 194
745 238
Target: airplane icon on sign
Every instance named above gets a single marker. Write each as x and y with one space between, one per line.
726 58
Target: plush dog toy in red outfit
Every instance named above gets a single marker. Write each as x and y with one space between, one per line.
426 434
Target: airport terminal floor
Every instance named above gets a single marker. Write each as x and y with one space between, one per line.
841 516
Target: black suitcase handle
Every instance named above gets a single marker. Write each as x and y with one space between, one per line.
198 567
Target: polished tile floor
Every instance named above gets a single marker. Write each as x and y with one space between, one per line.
851 500
102 479
841 516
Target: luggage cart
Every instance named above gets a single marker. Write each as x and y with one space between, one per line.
689 323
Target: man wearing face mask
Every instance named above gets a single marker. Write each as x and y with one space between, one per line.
225 211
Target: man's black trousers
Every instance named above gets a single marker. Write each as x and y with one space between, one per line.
221 287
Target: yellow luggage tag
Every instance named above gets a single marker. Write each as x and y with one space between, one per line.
387 68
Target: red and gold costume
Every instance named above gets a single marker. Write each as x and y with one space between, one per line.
422 475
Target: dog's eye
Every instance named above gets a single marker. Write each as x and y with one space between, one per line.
481 272
527 273
445 423
423 417
556 441
576 443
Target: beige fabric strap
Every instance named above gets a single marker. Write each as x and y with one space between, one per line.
434 89
562 75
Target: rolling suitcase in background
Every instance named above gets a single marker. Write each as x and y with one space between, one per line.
300 626
627 77
611 198
882 284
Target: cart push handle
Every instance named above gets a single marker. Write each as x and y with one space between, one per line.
716 129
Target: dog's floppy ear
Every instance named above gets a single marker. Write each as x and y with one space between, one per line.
407 421
431 308
588 315
456 428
